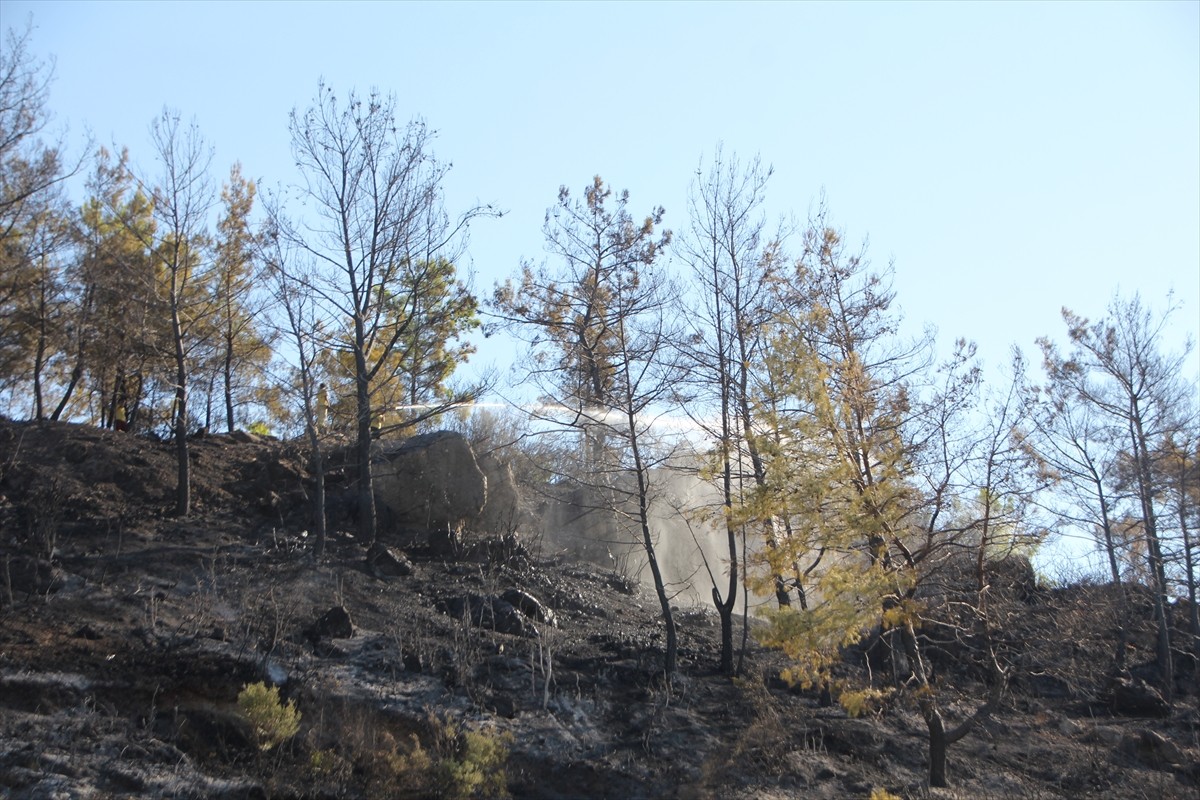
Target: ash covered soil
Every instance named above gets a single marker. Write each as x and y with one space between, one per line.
127 634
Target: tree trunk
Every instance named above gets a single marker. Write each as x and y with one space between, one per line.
183 488
939 738
927 701
660 588
771 525
318 465
39 361
937 746
77 368
1189 566
1154 548
366 493
725 613
208 398
664 601
184 481
229 381
76 374
1110 545
1179 475
725 607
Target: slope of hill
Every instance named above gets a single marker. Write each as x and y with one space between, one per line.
126 637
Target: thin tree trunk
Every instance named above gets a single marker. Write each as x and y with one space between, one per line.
664 601
80 347
229 381
367 529
725 607
183 490
771 525
208 398
39 359
660 588
745 609
1189 564
318 465
76 374
1154 548
927 701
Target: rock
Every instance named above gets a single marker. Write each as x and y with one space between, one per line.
506 619
388 563
43 693
87 632
333 624
430 482
503 705
206 731
1152 749
270 501
506 549
36 576
1104 734
1135 698
490 612
622 583
529 605
445 543
76 452
1043 685
1069 727
856 737
269 475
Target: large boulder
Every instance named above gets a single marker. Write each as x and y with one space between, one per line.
488 611
1136 698
333 624
431 482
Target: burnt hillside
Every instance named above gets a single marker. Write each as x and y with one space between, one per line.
126 636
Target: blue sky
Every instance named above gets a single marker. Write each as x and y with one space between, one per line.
1011 158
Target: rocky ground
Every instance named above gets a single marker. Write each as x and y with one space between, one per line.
126 636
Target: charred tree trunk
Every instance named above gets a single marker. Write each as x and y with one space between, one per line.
726 606
76 374
725 613
229 381
928 704
318 466
183 488
366 492
660 587
1154 550
939 738
39 359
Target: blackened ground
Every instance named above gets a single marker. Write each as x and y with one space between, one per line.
126 636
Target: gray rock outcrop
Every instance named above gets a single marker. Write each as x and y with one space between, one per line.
431 482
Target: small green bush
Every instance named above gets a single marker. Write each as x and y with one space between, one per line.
259 428
477 769
327 765
864 701
467 763
273 721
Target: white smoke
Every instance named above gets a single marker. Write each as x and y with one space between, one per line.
686 523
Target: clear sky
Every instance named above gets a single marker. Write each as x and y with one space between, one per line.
1011 158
